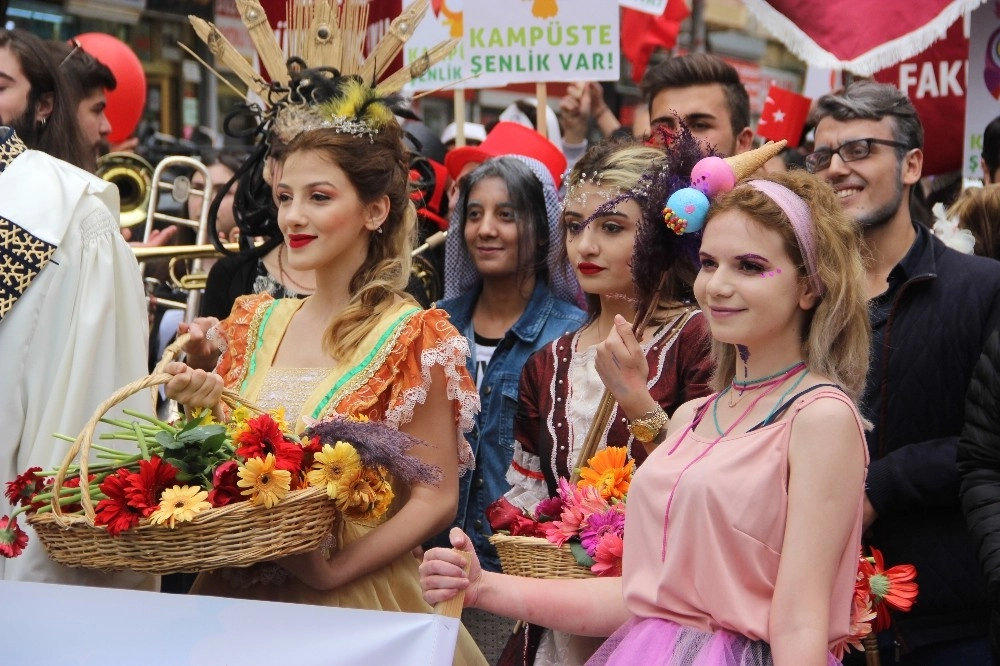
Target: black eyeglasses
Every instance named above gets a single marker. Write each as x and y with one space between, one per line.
851 151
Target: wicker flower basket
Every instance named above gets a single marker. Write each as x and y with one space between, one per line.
534 557
235 535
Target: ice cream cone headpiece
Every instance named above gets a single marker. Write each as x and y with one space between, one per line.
325 81
686 209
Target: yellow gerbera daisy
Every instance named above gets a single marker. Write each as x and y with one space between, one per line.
610 471
333 465
179 504
279 417
264 484
361 494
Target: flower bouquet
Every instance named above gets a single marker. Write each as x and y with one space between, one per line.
876 590
576 534
199 495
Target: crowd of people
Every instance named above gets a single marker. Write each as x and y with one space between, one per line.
812 372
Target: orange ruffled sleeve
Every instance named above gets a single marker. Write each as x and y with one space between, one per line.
236 338
424 340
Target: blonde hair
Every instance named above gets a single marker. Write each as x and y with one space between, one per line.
837 331
978 210
375 168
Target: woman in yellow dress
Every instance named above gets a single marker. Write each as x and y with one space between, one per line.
358 346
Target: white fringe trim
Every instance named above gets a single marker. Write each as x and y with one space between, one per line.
882 56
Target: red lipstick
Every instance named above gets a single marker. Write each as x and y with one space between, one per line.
296 241
588 268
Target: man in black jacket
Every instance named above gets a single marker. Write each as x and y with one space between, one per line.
979 464
931 311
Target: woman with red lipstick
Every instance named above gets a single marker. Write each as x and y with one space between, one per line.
560 387
744 525
358 346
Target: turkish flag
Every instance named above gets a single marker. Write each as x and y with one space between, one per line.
642 34
935 81
784 115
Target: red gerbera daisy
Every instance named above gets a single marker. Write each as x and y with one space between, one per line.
261 436
116 512
24 487
288 456
12 537
890 588
144 488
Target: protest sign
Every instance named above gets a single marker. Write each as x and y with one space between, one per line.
983 95
540 41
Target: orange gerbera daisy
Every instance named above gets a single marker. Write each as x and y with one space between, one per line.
610 471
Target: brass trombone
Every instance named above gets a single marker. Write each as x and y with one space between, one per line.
133 176
180 189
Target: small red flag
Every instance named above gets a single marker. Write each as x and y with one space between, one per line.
642 34
784 116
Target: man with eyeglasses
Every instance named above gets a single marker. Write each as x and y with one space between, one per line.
931 311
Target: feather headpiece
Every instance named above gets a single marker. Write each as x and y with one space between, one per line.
325 81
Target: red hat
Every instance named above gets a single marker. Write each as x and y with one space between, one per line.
508 138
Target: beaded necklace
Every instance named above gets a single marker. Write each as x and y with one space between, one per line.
753 385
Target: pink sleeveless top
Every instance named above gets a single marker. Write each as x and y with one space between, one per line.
725 531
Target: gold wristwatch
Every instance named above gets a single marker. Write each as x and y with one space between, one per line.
648 426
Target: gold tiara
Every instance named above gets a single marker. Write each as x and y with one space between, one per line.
323 36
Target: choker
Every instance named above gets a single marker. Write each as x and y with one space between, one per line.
758 382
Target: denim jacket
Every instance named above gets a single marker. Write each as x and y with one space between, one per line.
492 436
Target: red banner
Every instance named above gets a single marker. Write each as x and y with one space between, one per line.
935 82
857 35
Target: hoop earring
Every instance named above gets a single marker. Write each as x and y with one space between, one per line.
42 121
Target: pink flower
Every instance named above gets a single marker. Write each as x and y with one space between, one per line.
578 505
608 555
600 524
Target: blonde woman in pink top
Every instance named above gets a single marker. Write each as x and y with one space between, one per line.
743 527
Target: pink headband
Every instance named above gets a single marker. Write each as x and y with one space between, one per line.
797 212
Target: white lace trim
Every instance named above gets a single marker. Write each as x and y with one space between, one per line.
525 492
451 354
214 335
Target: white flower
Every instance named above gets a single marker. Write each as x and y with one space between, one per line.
946 228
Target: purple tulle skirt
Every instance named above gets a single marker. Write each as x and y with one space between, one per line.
658 642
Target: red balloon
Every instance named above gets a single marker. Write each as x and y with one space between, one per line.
128 99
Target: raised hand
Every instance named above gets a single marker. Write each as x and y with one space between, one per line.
442 573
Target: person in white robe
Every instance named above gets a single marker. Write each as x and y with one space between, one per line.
73 328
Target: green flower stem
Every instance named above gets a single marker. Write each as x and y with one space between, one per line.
111 452
141 440
65 438
162 425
